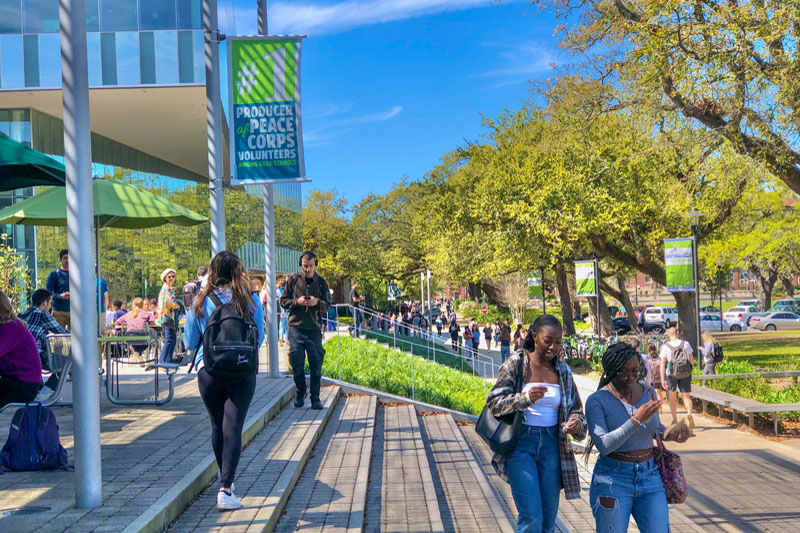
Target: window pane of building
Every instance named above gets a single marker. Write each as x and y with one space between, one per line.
92 16
190 14
50 60
40 16
157 14
128 58
30 45
11 70
199 57
94 58
108 52
166 57
147 57
118 15
10 16
185 57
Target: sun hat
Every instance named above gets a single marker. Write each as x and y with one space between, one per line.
166 273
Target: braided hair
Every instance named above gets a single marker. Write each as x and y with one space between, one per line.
614 359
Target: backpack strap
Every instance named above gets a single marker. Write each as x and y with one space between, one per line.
17 419
215 299
217 303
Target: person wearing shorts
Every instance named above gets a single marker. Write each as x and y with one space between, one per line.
681 386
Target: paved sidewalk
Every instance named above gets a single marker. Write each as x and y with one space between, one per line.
144 451
738 481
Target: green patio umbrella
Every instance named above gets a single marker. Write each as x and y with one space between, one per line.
116 205
21 166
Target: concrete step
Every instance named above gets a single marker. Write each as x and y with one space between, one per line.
268 471
459 479
483 458
331 494
401 496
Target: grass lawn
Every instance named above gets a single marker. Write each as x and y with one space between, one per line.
778 350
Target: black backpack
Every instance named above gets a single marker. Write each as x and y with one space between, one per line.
718 355
230 341
189 291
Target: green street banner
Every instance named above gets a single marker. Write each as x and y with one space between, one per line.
585 279
678 259
266 140
534 286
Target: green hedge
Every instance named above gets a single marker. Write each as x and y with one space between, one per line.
472 310
441 353
377 367
758 389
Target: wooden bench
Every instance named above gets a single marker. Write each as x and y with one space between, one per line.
744 405
794 374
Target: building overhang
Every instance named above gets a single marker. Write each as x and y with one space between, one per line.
165 122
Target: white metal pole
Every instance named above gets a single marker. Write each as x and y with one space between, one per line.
422 290
430 310
78 165
695 273
270 259
214 126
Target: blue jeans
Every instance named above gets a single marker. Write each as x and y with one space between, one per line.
170 338
505 351
633 488
534 472
358 320
283 328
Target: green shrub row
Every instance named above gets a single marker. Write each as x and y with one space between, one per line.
758 389
438 352
378 367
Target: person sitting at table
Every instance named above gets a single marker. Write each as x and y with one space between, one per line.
139 320
20 365
41 323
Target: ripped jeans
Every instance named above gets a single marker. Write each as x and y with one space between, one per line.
534 473
620 489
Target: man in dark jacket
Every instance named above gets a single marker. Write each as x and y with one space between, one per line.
307 298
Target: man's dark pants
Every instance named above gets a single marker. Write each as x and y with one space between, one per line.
302 342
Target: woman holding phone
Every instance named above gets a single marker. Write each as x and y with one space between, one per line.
542 463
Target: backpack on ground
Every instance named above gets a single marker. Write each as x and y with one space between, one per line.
718 355
189 291
33 442
230 341
681 366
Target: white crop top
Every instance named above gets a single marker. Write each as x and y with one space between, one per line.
543 413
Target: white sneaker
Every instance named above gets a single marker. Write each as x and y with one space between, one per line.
227 502
44 394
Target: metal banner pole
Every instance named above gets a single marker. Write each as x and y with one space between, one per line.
544 303
83 312
596 296
696 297
422 290
270 266
214 126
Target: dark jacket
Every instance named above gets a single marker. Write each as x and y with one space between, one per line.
301 316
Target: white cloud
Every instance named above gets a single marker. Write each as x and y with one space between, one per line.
326 132
316 18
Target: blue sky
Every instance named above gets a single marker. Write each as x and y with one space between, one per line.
391 85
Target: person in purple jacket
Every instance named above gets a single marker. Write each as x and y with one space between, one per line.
20 366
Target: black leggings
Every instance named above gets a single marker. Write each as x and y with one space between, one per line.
227 401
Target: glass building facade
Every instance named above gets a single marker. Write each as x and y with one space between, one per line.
131 43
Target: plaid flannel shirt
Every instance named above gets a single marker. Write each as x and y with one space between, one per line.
503 400
40 324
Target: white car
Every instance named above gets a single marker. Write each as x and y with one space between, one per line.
749 303
712 323
741 313
663 315
774 321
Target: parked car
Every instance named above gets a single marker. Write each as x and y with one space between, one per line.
661 315
713 323
621 325
709 309
740 313
786 302
774 321
749 303
637 309
785 309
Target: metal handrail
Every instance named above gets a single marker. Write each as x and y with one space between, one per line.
430 345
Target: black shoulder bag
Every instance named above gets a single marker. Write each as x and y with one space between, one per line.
501 434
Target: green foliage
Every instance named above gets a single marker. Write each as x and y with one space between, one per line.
14 276
377 367
472 310
437 352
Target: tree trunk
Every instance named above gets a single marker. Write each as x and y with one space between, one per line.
621 294
766 277
573 290
491 293
788 286
565 298
687 318
606 330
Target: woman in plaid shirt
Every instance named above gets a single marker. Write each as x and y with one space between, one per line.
543 462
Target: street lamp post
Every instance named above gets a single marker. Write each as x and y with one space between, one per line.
637 293
694 217
719 288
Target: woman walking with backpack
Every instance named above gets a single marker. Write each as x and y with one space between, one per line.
226 392
708 353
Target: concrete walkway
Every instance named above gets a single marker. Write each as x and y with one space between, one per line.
738 481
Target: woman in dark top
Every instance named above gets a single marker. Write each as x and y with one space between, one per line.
20 364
